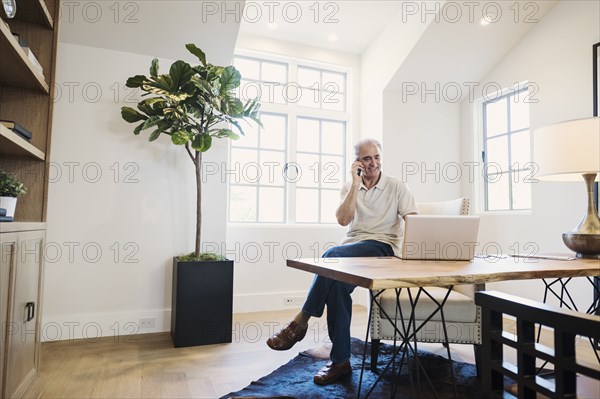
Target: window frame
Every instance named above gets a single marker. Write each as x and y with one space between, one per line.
257 184
520 89
293 112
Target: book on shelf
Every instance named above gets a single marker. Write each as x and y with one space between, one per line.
30 55
33 59
20 40
15 127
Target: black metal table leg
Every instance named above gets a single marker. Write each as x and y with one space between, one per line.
409 332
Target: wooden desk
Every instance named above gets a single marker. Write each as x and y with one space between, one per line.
380 273
390 272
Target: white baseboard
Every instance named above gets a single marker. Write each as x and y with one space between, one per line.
275 301
92 326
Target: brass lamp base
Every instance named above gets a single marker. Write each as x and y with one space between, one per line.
585 238
585 245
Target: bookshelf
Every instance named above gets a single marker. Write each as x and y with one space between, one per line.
35 12
13 145
19 71
26 97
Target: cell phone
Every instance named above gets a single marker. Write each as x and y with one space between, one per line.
359 171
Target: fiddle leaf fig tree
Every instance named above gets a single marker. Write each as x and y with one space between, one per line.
192 105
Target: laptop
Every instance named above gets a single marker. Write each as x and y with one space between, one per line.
440 237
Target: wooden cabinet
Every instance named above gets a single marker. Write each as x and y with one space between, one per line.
21 270
26 97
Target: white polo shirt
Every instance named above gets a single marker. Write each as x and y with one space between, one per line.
380 211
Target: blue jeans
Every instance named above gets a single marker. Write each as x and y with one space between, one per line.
336 295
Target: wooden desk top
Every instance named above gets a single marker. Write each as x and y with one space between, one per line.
389 272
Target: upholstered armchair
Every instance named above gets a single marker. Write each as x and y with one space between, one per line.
462 317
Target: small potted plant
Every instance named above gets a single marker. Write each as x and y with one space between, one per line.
194 105
10 189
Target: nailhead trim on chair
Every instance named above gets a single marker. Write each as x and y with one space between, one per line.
376 332
375 320
466 205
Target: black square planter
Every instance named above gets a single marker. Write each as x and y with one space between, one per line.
201 311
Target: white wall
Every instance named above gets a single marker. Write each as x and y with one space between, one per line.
130 199
557 56
119 207
379 63
262 279
422 146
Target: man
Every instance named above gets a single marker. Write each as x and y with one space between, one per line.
373 205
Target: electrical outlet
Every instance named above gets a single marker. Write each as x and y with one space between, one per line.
148 322
293 301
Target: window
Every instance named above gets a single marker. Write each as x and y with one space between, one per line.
257 192
506 152
320 155
321 89
292 169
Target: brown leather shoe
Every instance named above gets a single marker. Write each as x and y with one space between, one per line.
332 372
287 337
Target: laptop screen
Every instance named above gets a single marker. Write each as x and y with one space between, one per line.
440 237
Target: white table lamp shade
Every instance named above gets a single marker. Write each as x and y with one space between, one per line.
565 150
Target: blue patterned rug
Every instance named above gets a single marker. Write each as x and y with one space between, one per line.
295 379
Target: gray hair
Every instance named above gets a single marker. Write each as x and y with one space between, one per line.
363 142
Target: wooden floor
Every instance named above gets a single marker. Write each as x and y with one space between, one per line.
147 366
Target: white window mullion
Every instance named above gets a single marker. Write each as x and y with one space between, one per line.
292 159
292 118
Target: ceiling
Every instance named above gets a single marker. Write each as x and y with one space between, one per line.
460 51
161 27
456 54
355 22
157 28
451 50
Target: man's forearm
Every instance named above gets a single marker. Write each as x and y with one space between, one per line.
345 212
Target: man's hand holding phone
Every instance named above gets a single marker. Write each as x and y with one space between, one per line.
357 170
